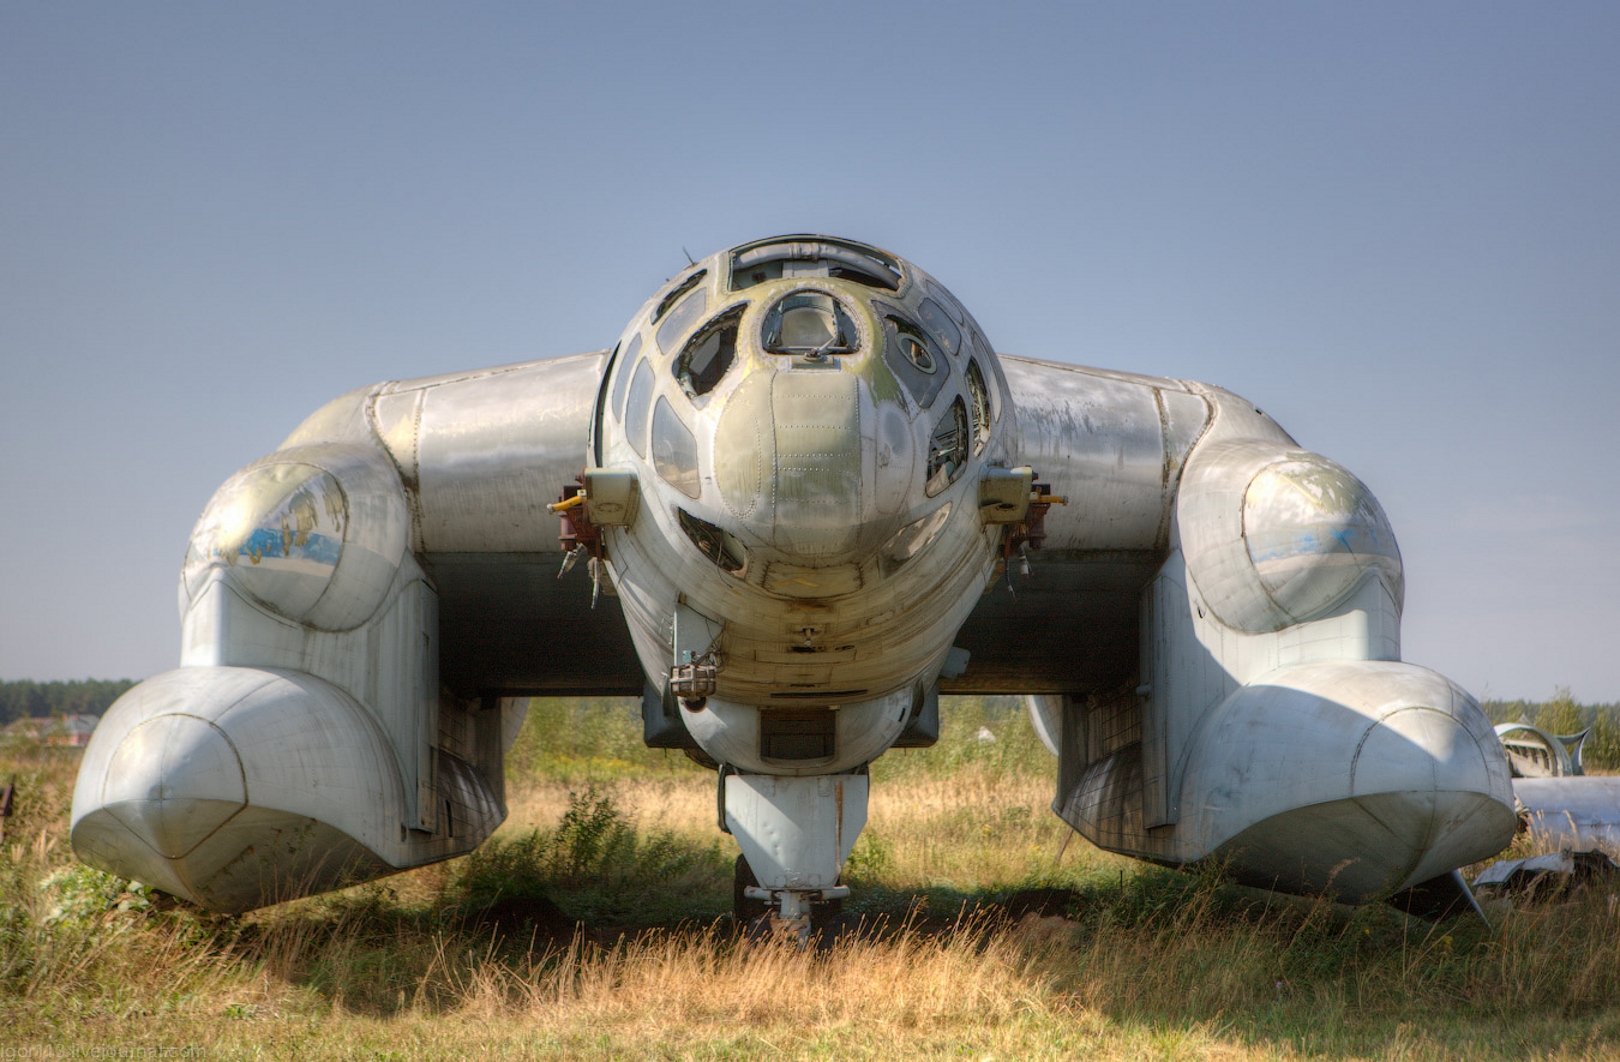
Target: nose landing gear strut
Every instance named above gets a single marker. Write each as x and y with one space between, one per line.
796 913
795 833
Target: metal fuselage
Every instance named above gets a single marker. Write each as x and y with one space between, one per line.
803 471
809 508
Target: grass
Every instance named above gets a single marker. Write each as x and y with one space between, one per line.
594 926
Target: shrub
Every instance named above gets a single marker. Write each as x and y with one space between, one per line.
596 866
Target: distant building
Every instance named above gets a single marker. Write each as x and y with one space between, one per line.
72 730
28 728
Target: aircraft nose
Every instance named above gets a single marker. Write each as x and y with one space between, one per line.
173 781
818 462
792 463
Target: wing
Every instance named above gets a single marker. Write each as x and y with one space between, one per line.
483 454
1113 444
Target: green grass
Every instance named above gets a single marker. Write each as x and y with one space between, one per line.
593 926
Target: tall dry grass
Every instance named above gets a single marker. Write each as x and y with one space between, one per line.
483 955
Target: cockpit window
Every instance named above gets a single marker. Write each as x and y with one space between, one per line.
718 545
948 448
624 369
937 321
809 323
948 302
813 256
979 406
638 407
914 357
674 450
680 320
675 296
709 353
916 351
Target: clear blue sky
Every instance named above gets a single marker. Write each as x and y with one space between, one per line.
1392 226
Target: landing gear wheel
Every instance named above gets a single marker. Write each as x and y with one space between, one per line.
759 918
743 909
833 908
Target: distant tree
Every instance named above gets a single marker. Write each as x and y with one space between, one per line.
1499 712
22 700
1603 744
39 700
1561 715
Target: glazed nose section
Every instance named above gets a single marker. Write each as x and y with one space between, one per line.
791 465
819 508
173 781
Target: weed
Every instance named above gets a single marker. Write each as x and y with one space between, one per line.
589 927
596 866
870 859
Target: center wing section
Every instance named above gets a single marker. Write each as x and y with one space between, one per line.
1113 444
482 455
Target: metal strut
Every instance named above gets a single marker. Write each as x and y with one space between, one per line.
1030 532
794 905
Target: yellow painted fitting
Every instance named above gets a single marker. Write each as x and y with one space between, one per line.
568 503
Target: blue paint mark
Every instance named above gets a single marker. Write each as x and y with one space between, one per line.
1283 543
272 542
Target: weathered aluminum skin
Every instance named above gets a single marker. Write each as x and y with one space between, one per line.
814 466
1268 688
1212 626
1114 444
1571 812
770 815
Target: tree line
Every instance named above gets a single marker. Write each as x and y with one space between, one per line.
1562 716
42 700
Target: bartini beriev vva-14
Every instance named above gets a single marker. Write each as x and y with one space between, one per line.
800 498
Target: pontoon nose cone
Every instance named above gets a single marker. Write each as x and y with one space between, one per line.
1424 777
1421 748
173 781
1356 778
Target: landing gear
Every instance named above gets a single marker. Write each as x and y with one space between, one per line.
747 911
789 912
795 831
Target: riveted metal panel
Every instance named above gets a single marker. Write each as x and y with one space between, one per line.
1106 442
495 449
818 461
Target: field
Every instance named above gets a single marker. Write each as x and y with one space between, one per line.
596 925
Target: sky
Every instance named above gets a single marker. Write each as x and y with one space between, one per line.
1392 226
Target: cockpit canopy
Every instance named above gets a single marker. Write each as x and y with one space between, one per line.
838 310
809 323
814 256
